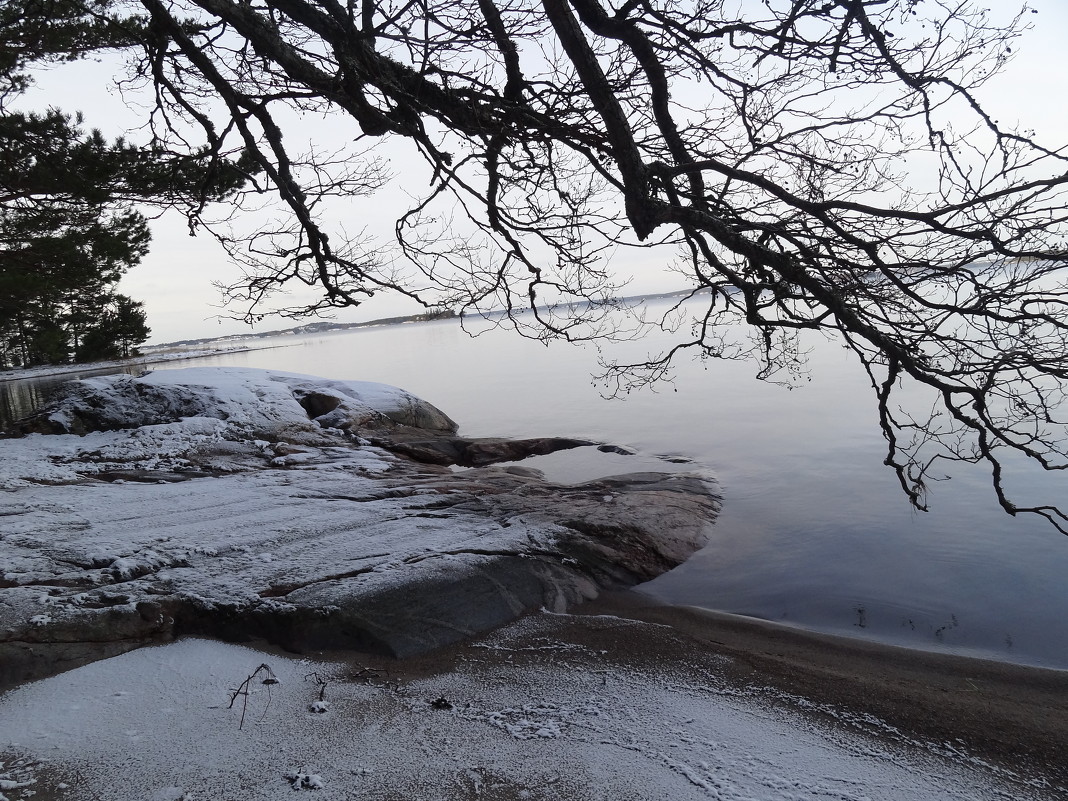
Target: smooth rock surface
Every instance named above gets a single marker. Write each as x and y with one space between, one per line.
293 528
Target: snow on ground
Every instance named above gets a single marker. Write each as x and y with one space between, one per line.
228 541
166 419
225 538
531 712
59 459
222 537
268 401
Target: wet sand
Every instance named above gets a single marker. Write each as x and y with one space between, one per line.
1012 716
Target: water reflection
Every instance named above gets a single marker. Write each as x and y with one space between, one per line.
18 399
21 397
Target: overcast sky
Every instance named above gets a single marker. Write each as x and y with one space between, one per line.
175 279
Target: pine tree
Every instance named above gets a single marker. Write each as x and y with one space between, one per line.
120 326
70 224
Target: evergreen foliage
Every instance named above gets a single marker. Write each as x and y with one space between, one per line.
64 239
70 200
49 31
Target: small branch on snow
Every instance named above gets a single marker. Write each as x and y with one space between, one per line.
320 706
244 689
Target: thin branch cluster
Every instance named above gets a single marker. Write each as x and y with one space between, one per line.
819 165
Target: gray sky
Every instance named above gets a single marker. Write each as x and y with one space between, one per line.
175 279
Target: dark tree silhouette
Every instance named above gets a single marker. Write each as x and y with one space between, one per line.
117 329
72 203
820 165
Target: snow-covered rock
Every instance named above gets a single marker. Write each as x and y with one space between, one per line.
248 518
266 401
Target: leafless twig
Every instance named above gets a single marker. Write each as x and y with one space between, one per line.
244 689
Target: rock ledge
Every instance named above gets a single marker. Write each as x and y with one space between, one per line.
312 513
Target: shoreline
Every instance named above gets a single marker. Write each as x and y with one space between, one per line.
103 367
1015 716
115 365
618 698
470 552
1010 721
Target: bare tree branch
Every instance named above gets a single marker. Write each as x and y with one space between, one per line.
821 166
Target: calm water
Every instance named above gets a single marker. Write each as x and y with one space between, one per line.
20 398
814 531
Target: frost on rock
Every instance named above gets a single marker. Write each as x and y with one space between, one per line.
257 400
254 505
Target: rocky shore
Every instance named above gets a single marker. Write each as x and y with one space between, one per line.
308 513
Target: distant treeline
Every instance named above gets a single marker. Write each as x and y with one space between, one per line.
319 327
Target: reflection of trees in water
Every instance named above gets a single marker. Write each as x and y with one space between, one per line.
19 399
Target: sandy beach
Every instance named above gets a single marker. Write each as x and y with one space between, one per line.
1012 715
623 700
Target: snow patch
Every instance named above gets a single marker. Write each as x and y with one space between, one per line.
633 735
302 780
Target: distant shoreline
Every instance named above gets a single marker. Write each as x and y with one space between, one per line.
115 365
329 326
202 348
231 343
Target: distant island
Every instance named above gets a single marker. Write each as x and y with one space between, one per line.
326 326
318 327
